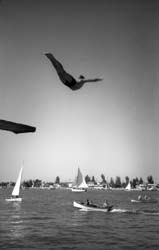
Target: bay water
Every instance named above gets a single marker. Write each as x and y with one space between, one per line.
46 219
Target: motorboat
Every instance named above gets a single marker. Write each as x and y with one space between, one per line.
91 207
148 200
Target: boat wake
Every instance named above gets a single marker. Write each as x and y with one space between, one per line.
93 210
119 210
149 212
146 212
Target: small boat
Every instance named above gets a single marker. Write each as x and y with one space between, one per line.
78 190
128 187
149 200
16 189
85 207
80 184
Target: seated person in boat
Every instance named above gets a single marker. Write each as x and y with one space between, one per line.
106 204
139 198
145 197
89 203
14 196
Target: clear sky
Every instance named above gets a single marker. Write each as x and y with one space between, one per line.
109 127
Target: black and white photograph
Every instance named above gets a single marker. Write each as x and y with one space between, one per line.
79 124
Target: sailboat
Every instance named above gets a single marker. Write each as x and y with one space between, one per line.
16 189
128 187
80 184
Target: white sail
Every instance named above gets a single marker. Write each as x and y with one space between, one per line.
83 184
80 184
17 185
128 187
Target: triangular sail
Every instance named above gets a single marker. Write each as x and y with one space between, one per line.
128 187
83 184
79 178
17 185
80 181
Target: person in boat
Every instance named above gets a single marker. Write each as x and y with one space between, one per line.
106 204
145 197
139 198
14 196
88 203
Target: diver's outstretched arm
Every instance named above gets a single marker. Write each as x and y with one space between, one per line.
91 80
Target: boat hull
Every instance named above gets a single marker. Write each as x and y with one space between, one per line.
91 208
144 201
79 190
14 199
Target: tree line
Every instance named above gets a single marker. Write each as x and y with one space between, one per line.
113 182
117 183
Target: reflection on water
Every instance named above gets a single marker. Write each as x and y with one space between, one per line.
15 221
16 230
16 206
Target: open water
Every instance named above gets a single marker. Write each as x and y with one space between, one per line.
46 219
